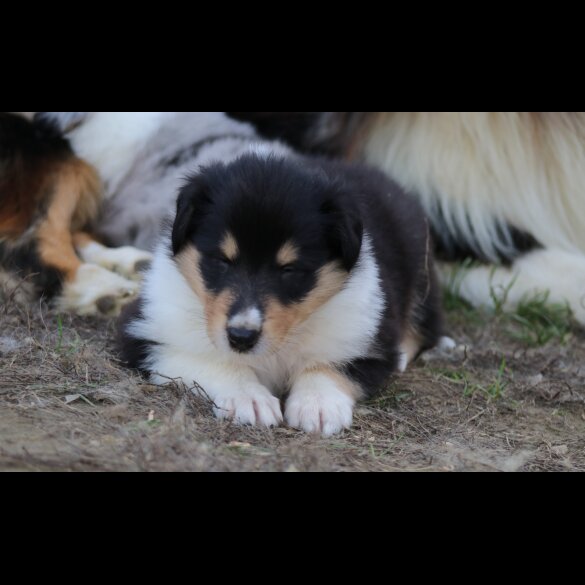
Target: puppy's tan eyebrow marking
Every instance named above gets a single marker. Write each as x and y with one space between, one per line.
229 247
287 254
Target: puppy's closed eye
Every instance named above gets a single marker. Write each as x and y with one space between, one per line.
290 272
220 263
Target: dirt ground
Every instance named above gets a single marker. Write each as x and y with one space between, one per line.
495 404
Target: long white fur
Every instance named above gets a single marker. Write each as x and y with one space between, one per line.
341 330
481 169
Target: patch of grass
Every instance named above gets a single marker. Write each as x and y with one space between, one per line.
69 343
536 321
458 377
453 302
493 391
59 333
378 452
461 312
500 294
496 389
391 398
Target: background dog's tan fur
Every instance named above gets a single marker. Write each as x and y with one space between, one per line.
73 205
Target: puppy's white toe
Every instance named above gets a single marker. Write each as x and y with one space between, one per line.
251 405
326 410
97 291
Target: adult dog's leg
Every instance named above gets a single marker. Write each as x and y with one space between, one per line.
127 260
560 274
87 288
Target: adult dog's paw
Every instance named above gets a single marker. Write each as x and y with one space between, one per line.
127 261
97 291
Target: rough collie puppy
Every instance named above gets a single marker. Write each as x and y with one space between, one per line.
48 199
285 276
506 188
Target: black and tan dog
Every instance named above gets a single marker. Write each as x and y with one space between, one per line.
284 275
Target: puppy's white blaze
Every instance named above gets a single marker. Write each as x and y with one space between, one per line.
251 319
558 273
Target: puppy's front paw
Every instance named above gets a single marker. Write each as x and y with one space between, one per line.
252 404
97 291
322 408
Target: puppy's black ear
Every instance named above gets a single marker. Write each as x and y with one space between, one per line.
345 230
192 204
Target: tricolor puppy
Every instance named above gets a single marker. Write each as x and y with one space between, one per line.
287 277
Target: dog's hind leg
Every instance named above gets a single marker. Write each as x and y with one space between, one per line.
127 260
558 274
87 288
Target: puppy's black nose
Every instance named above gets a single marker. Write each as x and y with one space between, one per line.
242 339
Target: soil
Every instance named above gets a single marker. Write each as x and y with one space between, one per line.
493 404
